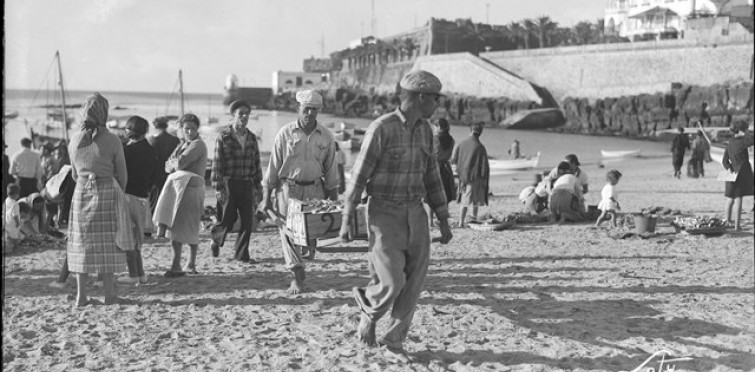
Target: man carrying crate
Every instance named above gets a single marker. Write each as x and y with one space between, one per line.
302 166
397 168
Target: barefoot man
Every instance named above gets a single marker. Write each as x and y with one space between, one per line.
302 166
397 168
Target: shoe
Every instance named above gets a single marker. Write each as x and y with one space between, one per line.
57 284
215 249
127 280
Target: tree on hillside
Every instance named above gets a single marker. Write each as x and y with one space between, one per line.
583 32
544 27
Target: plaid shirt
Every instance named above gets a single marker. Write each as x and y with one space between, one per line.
234 163
397 163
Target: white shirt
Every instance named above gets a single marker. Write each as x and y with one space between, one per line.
26 164
607 194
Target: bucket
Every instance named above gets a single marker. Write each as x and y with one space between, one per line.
644 223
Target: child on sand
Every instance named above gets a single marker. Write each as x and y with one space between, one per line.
11 218
609 204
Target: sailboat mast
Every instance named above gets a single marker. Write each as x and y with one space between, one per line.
181 90
63 97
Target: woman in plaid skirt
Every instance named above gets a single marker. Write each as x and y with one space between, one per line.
98 162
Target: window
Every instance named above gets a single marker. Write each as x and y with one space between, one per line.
289 82
308 82
324 78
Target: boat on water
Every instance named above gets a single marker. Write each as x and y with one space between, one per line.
501 167
620 154
50 129
715 134
257 97
542 118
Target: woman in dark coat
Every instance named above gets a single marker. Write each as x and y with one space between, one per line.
737 160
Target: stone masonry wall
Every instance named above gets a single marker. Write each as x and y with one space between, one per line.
613 70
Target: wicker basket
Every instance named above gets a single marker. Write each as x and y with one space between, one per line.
490 226
707 231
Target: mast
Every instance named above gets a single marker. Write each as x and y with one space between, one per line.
63 97
181 90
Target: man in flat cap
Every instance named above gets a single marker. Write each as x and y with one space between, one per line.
302 166
397 168
471 159
237 177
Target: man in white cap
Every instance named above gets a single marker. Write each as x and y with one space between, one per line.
397 168
302 166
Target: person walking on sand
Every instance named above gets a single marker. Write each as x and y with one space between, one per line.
397 169
26 168
182 199
141 166
679 145
237 177
471 159
99 168
302 166
736 159
164 144
700 152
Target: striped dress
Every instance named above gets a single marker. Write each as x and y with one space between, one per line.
97 163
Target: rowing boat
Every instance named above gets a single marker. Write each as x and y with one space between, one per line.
501 167
615 154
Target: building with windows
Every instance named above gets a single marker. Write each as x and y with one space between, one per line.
657 19
287 81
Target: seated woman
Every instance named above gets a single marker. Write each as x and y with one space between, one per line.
566 198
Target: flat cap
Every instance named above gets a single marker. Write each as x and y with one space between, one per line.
237 104
309 98
421 81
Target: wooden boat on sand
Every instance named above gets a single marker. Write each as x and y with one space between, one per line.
543 118
620 154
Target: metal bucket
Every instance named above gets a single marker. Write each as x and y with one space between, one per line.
644 223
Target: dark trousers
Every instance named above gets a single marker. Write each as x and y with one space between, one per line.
240 203
28 186
65 206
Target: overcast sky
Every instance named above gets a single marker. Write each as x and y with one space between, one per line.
139 45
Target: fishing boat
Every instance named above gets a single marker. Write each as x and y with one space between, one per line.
50 129
514 164
715 134
619 154
542 118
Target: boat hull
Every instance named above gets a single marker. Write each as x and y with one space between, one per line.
610 154
535 119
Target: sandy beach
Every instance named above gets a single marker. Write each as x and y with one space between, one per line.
535 297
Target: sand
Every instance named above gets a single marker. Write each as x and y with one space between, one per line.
531 298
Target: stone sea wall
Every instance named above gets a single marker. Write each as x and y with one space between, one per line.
644 114
615 70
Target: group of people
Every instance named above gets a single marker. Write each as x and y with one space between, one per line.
700 149
405 164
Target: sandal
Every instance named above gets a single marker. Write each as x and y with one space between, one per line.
174 274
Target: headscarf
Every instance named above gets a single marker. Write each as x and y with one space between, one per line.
94 112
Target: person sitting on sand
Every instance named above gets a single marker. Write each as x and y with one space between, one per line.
534 198
609 204
566 198
38 215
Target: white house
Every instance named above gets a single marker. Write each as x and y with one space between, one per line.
654 19
288 81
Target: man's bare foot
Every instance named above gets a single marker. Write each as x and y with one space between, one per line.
297 284
366 331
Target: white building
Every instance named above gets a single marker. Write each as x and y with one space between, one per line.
287 81
654 19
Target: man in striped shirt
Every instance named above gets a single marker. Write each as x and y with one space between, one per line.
397 168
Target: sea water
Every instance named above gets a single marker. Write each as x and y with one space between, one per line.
552 146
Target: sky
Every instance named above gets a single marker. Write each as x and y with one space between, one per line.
139 45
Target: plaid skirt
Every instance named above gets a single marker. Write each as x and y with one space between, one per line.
92 228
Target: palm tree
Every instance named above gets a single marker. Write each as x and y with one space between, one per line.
529 27
545 27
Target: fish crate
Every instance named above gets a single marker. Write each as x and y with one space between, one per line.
307 224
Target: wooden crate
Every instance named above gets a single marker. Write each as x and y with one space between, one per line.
305 228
